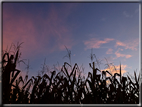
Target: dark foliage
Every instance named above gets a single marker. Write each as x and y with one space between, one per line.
66 88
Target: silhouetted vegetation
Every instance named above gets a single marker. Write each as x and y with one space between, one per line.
66 87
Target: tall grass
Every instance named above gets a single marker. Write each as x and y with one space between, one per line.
66 88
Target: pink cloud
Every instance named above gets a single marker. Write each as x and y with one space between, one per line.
40 35
122 55
95 43
116 69
129 44
109 51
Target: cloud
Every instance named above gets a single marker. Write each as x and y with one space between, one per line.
137 11
109 51
103 19
126 14
118 43
47 34
96 43
129 44
116 69
122 55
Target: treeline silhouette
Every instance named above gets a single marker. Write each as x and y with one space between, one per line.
64 87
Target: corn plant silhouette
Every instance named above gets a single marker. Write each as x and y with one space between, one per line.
64 87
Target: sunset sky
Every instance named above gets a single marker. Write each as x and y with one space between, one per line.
111 30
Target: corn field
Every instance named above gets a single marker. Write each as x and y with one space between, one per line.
66 87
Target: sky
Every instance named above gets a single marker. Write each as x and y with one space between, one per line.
108 30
